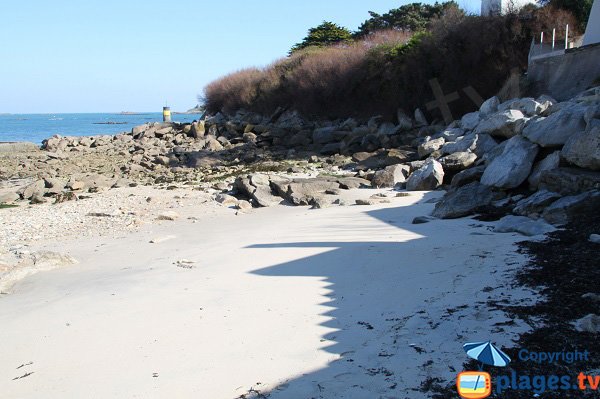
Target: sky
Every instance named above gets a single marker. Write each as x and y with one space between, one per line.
128 55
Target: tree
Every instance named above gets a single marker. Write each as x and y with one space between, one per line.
410 17
579 8
326 34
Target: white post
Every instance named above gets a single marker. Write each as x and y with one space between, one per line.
553 38
567 38
542 41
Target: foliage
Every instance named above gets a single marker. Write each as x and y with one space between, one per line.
326 34
411 17
579 8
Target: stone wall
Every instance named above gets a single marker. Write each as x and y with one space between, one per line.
564 76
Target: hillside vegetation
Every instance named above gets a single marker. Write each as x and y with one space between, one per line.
388 64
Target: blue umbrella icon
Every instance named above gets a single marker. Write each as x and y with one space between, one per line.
487 353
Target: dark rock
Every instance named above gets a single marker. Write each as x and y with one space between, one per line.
464 201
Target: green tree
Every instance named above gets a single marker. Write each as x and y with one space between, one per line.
579 8
412 17
326 34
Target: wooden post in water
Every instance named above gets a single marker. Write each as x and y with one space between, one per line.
166 114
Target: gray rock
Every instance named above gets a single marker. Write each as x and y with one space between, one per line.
168 215
323 135
523 225
391 176
536 203
527 105
489 106
320 203
450 134
464 201
420 119
513 166
430 146
589 324
551 162
458 161
405 122
305 191
595 238
483 144
422 219
583 149
556 129
470 121
467 176
9 198
569 181
264 197
243 205
225 199
331 148
34 189
429 177
348 183
388 129
502 124
465 143
370 201
259 179
567 208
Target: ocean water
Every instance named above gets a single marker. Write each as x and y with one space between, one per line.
37 127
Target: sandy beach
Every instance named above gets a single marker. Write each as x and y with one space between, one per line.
289 302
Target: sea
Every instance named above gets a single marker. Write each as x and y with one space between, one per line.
37 127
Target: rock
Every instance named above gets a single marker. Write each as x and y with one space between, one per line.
249 137
9 198
536 203
567 208
320 203
513 166
304 191
570 181
122 183
502 124
470 121
323 135
47 260
348 183
590 296
404 121
527 105
263 196
489 106
467 176
551 162
370 201
430 146
523 225
36 188
259 179
450 134
331 148
212 144
589 324
243 205
159 240
225 199
595 238
66 196
198 130
388 129
420 119
422 219
458 161
429 177
390 176
556 129
168 215
583 149
464 201
465 143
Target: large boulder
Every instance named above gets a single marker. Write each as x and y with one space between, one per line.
489 106
464 201
523 225
502 124
536 203
527 105
390 176
430 146
555 130
470 121
429 177
323 135
468 176
551 162
458 161
569 181
513 166
583 149
571 207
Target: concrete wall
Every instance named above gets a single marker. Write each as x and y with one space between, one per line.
564 76
592 33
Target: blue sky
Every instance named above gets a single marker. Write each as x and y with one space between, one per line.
130 55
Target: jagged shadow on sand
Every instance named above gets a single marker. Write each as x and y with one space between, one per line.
379 296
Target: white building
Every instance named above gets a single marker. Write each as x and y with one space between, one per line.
592 33
496 7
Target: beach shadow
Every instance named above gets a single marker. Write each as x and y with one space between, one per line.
379 297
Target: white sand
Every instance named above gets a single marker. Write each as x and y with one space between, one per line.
345 302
